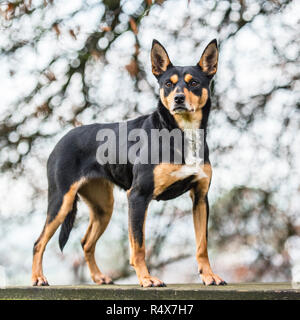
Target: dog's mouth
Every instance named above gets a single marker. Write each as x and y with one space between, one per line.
180 108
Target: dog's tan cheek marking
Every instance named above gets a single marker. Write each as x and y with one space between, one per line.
174 78
195 101
167 101
204 97
192 99
163 177
188 77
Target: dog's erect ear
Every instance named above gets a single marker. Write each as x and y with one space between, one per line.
209 59
159 59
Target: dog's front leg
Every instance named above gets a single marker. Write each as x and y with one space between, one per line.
200 217
138 205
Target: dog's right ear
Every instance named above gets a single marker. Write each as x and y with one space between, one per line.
159 59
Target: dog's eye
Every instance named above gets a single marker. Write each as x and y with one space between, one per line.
168 84
194 83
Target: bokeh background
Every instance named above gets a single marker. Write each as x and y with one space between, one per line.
68 63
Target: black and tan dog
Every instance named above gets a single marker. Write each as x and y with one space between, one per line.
73 171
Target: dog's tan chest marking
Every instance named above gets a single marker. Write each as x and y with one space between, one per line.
163 177
166 174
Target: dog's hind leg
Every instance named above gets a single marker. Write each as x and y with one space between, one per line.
98 195
58 209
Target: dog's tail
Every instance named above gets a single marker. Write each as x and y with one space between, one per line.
67 225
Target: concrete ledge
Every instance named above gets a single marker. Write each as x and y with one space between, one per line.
249 291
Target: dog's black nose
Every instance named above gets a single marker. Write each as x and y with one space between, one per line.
179 98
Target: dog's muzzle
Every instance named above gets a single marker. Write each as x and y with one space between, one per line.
179 104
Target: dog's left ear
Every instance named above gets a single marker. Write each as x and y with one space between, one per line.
209 59
159 59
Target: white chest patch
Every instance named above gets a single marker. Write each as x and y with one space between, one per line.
190 170
193 159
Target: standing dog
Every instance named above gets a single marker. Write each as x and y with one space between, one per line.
74 170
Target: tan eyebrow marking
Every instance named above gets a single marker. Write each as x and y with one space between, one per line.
174 78
188 77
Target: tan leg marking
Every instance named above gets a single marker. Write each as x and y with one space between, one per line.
98 195
137 260
49 229
200 225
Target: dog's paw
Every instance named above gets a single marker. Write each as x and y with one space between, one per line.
39 281
211 279
102 279
151 282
